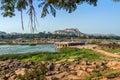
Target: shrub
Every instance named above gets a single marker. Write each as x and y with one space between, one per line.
38 73
98 74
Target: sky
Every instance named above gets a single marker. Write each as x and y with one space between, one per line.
102 19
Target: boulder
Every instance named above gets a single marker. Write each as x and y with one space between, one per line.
20 71
113 64
90 70
57 67
12 77
82 74
50 66
72 77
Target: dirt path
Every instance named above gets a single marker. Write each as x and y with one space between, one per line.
99 51
107 53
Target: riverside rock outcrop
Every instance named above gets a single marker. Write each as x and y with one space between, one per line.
74 70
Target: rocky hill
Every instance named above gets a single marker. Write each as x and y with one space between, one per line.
69 31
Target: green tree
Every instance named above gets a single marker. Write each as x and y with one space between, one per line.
8 8
48 6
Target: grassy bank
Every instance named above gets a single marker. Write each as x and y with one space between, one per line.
65 53
117 50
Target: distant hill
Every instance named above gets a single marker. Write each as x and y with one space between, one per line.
69 31
2 33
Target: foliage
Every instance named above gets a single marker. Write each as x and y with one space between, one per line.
65 53
70 53
97 74
116 50
112 37
112 73
57 36
113 45
94 42
39 35
37 73
9 7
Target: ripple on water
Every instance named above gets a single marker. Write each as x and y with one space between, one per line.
6 49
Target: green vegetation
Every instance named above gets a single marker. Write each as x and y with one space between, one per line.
98 74
65 53
111 73
32 44
114 74
37 35
8 8
37 73
116 50
94 42
58 36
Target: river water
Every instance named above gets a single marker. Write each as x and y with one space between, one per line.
7 49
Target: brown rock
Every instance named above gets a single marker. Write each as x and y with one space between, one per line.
12 77
50 73
82 74
57 76
77 67
20 71
90 70
72 77
99 78
85 62
61 75
113 64
83 67
57 67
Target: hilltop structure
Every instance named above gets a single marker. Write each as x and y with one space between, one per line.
68 31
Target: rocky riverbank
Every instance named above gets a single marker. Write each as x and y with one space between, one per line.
64 70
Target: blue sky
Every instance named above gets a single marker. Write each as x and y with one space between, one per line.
103 19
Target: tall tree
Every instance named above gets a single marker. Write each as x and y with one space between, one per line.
8 8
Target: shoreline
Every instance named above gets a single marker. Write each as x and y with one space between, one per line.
25 44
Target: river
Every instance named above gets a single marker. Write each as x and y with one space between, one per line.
7 49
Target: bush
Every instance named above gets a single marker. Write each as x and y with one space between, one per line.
117 50
37 73
98 74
